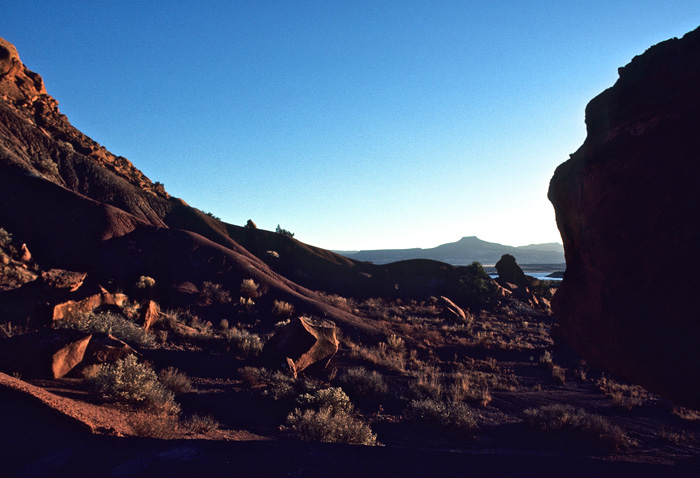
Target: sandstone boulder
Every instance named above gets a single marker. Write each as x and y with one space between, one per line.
47 354
302 346
626 205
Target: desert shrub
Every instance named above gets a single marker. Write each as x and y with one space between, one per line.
282 309
456 416
250 289
333 397
175 381
330 426
145 282
162 426
200 423
243 343
360 382
474 288
213 293
563 418
284 387
130 381
110 323
623 396
47 167
281 386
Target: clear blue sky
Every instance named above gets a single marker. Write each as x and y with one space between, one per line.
354 124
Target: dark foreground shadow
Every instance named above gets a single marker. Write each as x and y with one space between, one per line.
36 442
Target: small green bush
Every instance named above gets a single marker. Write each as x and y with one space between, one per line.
456 416
330 426
130 381
109 323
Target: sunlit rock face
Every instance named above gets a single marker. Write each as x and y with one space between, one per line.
627 205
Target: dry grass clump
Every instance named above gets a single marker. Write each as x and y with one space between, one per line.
361 383
282 309
250 289
130 381
243 343
624 396
175 381
455 416
110 323
390 354
163 426
566 418
213 293
200 424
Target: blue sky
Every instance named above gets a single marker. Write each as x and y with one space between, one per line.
354 124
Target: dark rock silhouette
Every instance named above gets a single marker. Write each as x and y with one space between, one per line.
626 204
509 271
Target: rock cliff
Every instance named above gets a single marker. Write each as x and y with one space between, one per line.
627 205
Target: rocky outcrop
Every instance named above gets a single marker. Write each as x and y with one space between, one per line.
626 205
302 345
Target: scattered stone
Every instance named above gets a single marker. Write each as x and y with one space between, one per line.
302 346
453 309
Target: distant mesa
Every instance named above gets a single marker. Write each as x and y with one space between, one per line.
626 204
465 251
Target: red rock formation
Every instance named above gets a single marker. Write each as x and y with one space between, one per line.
628 207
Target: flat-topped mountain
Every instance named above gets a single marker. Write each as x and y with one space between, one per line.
466 251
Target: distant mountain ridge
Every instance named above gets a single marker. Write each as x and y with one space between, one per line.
466 251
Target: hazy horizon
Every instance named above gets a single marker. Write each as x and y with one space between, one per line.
356 125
